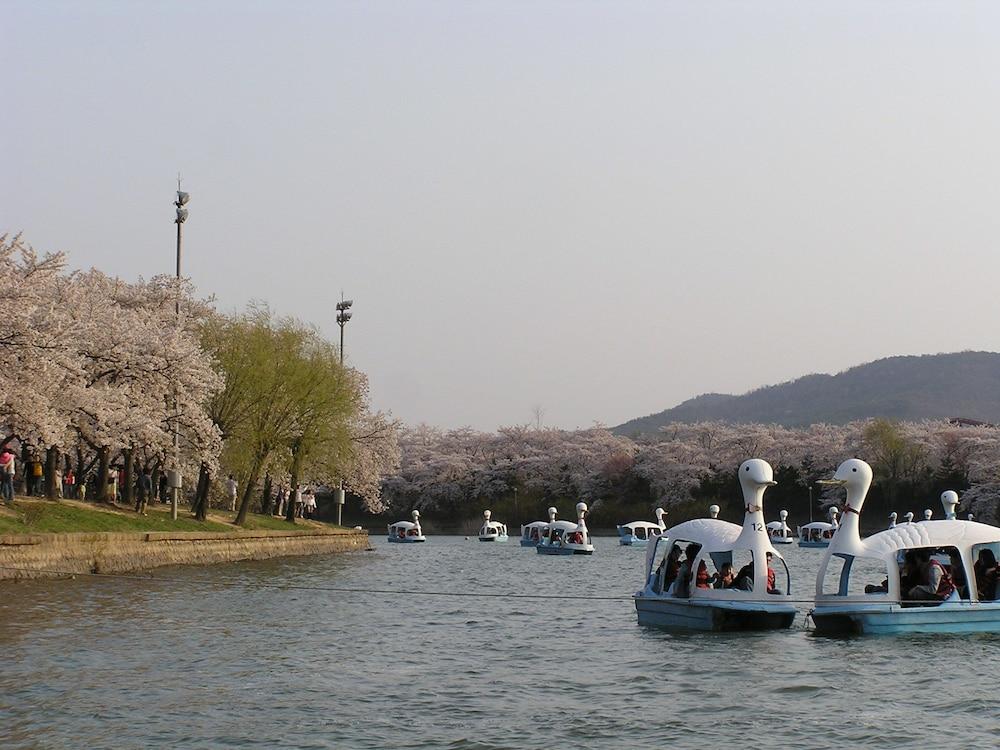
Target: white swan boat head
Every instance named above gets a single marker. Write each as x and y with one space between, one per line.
713 511
932 576
714 575
566 537
638 533
407 532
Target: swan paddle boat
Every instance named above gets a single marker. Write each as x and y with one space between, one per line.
946 583
531 533
779 531
892 520
741 593
638 533
819 533
492 531
407 532
566 537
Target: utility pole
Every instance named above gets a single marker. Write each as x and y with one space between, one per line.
343 315
175 475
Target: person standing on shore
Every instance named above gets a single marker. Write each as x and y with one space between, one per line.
7 476
36 478
69 484
112 485
145 487
231 488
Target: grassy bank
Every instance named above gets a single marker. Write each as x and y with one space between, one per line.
34 515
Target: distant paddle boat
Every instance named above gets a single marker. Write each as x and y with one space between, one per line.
779 531
892 520
531 533
683 595
638 533
819 533
492 531
407 532
566 537
946 583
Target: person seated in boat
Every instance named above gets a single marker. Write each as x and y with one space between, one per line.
882 588
937 585
909 573
957 572
813 535
744 578
724 577
669 567
682 587
771 583
402 533
987 575
576 537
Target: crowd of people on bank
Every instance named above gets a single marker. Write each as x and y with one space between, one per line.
29 476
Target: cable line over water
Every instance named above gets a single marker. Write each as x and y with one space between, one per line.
348 589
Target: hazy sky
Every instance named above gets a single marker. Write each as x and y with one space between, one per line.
599 208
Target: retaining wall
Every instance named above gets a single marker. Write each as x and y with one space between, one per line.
53 555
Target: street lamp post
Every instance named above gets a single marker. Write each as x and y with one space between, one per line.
175 476
810 503
516 514
343 315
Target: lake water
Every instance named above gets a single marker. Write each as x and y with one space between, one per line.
257 655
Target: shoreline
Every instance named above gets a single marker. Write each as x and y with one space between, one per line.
59 555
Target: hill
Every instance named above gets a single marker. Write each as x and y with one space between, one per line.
932 386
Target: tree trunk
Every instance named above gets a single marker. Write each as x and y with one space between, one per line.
127 480
51 465
265 501
241 517
104 457
25 468
201 496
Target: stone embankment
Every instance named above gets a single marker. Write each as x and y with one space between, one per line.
56 555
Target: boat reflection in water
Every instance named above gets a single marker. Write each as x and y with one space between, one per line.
741 593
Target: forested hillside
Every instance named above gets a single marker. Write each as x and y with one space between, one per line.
935 386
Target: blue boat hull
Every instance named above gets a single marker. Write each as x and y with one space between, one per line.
814 544
407 540
528 543
493 538
888 619
685 614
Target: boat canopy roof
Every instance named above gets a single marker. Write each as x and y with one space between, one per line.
403 525
494 525
712 534
777 525
535 525
960 534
